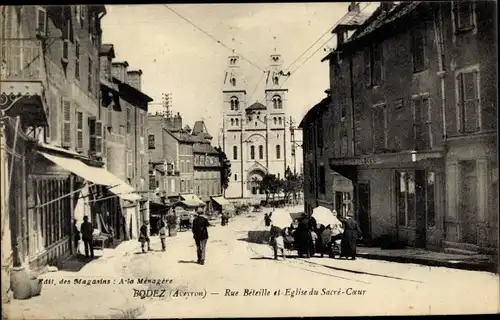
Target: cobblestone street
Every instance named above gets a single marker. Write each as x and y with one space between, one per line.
233 265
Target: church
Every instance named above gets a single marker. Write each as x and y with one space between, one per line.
255 136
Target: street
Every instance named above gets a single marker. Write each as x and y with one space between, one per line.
240 279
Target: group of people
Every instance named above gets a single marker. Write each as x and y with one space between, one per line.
86 233
309 237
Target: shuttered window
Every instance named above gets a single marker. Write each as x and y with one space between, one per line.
378 65
463 12
66 127
422 123
77 60
468 102
90 76
79 131
418 48
129 163
379 128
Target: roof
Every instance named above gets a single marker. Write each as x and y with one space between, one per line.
257 106
200 129
107 49
314 111
381 18
181 136
123 63
353 19
126 88
204 148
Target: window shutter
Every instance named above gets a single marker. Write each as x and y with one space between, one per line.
92 135
66 129
460 101
79 131
98 137
368 71
471 103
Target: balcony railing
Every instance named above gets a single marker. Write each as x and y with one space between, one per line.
22 60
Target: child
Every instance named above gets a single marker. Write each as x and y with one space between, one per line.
162 231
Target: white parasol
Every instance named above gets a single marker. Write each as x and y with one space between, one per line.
281 218
325 217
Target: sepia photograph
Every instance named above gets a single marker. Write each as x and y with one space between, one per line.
236 160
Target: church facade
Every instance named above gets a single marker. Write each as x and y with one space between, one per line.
255 135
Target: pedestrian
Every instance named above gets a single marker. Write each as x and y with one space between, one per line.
76 236
267 220
143 236
319 243
351 234
326 237
277 242
162 231
303 238
200 235
312 245
312 224
87 231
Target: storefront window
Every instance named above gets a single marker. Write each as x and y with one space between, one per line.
405 186
430 206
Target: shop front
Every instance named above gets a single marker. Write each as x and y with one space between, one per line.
398 196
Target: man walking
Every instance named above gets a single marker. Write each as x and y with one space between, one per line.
143 236
87 230
200 235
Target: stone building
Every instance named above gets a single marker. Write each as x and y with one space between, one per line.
414 128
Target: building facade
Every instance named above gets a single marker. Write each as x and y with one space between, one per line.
417 151
322 186
254 137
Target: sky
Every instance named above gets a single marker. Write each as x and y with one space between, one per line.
177 58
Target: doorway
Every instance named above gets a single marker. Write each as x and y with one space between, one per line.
420 208
468 201
364 210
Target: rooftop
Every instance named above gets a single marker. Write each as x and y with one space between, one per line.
257 106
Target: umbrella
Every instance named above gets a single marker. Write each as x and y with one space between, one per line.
281 218
325 217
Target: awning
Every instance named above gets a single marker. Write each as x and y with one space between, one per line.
221 200
96 175
192 199
205 199
191 203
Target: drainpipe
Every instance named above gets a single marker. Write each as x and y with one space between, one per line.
438 27
353 135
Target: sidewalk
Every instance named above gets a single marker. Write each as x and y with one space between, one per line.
478 262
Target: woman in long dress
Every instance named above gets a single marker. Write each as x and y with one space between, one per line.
351 234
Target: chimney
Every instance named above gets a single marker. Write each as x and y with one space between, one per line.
354 7
134 78
106 56
119 70
387 5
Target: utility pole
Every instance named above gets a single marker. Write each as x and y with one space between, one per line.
292 138
167 105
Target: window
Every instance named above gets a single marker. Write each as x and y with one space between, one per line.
237 121
65 37
343 113
280 122
378 56
79 131
152 182
129 164
232 122
81 14
344 145
91 26
277 102
422 133
235 153
468 101
319 132
379 128
430 199
406 200
275 120
66 126
276 81
77 60
95 135
129 120
235 104
322 179
278 152
235 177
261 152
463 13
41 21
233 82
90 75
252 152
418 48
151 142
367 58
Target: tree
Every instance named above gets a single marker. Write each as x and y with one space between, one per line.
270 184
225 168
291 184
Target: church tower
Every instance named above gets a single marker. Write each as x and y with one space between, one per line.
234 102
276 101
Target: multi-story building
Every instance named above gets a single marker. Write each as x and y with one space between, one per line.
132 127
413 129
254 137
207 168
